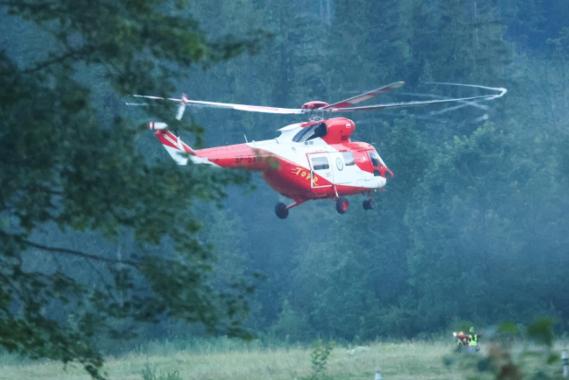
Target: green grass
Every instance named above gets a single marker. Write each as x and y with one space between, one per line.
235 361
231 360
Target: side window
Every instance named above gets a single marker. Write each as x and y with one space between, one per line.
300 136
320 163
348 158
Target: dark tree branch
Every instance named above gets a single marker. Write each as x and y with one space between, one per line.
70 54
73 252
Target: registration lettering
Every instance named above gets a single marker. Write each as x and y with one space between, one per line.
303 173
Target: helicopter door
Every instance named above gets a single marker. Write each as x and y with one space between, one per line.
320 167
343 167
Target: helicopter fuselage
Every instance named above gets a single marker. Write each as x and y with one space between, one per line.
309 160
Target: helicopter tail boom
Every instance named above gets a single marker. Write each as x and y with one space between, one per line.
176 148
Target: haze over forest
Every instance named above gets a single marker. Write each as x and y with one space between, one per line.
472 228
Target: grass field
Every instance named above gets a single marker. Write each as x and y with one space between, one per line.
239 361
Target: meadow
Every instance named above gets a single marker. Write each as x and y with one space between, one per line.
236 361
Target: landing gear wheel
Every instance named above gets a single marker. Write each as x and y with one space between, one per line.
368 204
342 205
281 210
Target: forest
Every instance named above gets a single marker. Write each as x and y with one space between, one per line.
104 238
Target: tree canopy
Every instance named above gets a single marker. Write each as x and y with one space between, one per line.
73 170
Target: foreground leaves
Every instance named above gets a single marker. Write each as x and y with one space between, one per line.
70 162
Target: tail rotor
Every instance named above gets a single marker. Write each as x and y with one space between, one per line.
182 107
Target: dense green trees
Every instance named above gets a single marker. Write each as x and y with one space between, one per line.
471 227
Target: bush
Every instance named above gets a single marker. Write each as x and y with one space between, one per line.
151 373
319 359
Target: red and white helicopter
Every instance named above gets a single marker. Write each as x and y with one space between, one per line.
315 159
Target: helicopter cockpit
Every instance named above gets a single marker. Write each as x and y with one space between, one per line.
379 167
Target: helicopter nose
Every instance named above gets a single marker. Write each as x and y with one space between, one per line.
381 182
383 170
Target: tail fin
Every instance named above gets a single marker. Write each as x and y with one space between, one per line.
176 148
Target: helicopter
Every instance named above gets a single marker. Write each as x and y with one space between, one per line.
309 160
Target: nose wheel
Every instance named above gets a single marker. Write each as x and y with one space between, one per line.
367 204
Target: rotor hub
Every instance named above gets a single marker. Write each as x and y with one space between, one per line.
314 105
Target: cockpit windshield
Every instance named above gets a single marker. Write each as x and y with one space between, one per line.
374 157
309 133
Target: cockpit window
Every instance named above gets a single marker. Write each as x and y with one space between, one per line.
374 157
348 158
309 133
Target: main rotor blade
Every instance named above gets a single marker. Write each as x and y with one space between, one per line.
233 106
450 108
501 92
180 112
131 104
365 96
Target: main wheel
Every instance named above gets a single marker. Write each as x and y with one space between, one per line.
368 204
281 210
342 205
